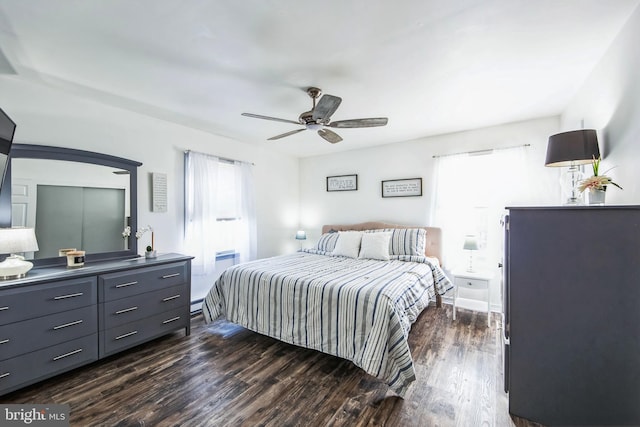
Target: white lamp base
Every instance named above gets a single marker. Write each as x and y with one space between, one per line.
470 267
14 267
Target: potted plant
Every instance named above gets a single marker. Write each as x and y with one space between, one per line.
150 251
597 184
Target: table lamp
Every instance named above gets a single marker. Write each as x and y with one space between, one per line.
12 241
573 148
470 244
301 235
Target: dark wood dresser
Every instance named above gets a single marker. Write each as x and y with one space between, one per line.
57 319
572 310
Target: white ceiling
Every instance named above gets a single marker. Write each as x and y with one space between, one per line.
430 66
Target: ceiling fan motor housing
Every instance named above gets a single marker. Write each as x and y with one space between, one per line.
306 119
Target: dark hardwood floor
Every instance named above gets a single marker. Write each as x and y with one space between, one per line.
224 375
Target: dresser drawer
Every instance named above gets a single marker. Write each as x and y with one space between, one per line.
469 283
127 283
39 300
29 335
121 311
130 334
41 364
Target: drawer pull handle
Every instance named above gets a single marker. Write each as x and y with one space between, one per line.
168 276
71 353
171 320
126 335
123 285
126 310
4 308
170 298
79 294
4 341
469 284
5 375
66 325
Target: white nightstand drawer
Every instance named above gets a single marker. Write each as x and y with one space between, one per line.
468 283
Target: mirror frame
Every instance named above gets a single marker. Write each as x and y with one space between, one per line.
30 151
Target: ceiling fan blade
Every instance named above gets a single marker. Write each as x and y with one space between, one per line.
286 134
329 135
275 119
327 105
359 123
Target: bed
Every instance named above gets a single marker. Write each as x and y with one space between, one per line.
341 298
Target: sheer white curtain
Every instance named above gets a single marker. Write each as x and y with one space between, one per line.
201 187
471 192
246 234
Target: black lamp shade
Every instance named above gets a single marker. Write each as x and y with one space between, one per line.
576 147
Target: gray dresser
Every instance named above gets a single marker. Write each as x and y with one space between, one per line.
57 319
572 311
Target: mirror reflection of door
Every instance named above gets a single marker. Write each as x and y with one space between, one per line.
22 200
85 218
29 175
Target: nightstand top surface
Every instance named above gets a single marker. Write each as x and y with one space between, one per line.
476 274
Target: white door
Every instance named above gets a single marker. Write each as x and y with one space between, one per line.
23 205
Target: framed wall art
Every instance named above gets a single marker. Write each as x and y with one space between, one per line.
342 183
402 187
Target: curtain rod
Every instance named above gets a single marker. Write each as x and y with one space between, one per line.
480 152
224 159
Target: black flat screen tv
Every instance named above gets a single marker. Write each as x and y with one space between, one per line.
7 129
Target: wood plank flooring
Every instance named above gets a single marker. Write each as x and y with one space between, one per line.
224 375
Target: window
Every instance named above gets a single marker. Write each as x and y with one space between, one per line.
471 193
228 216
219 210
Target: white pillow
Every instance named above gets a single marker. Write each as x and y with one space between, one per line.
375 246
348 244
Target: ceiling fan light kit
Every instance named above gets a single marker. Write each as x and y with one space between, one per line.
319 117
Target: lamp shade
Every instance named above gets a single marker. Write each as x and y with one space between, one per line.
576 147
470 243
301 235
15 240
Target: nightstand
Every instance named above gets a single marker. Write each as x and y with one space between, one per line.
468 287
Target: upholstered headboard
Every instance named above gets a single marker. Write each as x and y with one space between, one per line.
433 247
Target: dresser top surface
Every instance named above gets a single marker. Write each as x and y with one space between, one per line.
45 274
575 207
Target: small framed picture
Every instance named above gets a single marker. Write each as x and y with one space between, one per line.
402 187
342 183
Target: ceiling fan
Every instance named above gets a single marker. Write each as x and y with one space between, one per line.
318 118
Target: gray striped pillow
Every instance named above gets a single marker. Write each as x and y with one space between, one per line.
327 242
406 241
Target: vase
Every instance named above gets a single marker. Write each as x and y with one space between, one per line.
596 197
150 254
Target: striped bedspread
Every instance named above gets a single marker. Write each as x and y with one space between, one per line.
356 309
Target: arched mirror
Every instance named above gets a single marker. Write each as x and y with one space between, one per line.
73 199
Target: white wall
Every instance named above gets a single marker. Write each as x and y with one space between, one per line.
413 159
609 101
48 116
